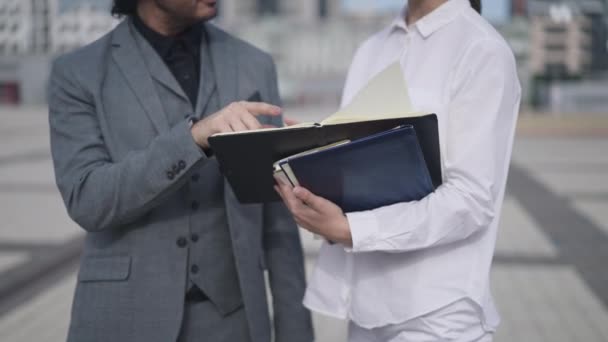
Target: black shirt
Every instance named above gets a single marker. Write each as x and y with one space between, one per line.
181 53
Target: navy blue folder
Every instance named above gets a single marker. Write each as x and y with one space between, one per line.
371 172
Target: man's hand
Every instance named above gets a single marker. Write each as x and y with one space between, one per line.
316 214
238 116
290 122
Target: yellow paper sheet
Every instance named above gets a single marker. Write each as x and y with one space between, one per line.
384 96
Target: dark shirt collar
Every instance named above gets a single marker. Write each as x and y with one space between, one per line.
192 37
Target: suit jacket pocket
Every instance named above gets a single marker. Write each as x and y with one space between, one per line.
105 268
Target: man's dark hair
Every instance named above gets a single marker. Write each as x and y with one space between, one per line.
124 7
476 4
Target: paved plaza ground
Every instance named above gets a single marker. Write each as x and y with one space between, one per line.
549 276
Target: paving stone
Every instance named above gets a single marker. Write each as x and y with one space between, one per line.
596 210
10 259
518 234
44 317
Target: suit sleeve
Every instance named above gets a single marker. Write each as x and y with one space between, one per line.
285 262
100 193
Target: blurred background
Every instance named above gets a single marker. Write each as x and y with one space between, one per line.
549 276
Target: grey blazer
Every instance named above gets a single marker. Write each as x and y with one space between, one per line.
114 151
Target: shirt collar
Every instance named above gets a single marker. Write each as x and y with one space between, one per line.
399 22
433 21
192 37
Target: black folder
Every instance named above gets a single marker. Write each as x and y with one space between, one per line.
246 158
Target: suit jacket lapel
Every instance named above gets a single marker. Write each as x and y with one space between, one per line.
159 70
224 63
207 82
128 57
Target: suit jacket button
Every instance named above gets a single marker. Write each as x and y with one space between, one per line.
194 269
181 242
195 205
181 164
170 175
194 237
175 169
196 177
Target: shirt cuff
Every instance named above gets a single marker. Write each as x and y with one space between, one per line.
364 229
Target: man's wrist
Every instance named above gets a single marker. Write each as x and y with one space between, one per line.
203 145
193 130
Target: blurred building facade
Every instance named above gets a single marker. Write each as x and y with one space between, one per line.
568 55
235 12
79 25
568 37
32 32
313 41
560 48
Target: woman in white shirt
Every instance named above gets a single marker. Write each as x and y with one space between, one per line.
419 271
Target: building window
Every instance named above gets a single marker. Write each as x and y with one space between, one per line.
555 29
323 9
556 71
554 47
9 93
266 7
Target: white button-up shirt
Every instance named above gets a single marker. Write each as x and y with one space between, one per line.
410 259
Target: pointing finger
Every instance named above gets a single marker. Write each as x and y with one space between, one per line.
261 108
290 122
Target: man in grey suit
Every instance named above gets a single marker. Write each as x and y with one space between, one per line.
170 254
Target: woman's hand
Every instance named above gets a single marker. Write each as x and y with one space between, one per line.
316 214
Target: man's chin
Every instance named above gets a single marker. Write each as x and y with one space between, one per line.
208 13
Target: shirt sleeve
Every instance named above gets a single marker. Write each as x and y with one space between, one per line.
482 113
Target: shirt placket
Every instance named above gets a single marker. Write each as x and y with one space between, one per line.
348 280
405 48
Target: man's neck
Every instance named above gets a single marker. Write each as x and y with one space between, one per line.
417 9
160 20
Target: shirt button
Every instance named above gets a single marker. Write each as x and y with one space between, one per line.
194 269
195 205
196 177
182 242
194 237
